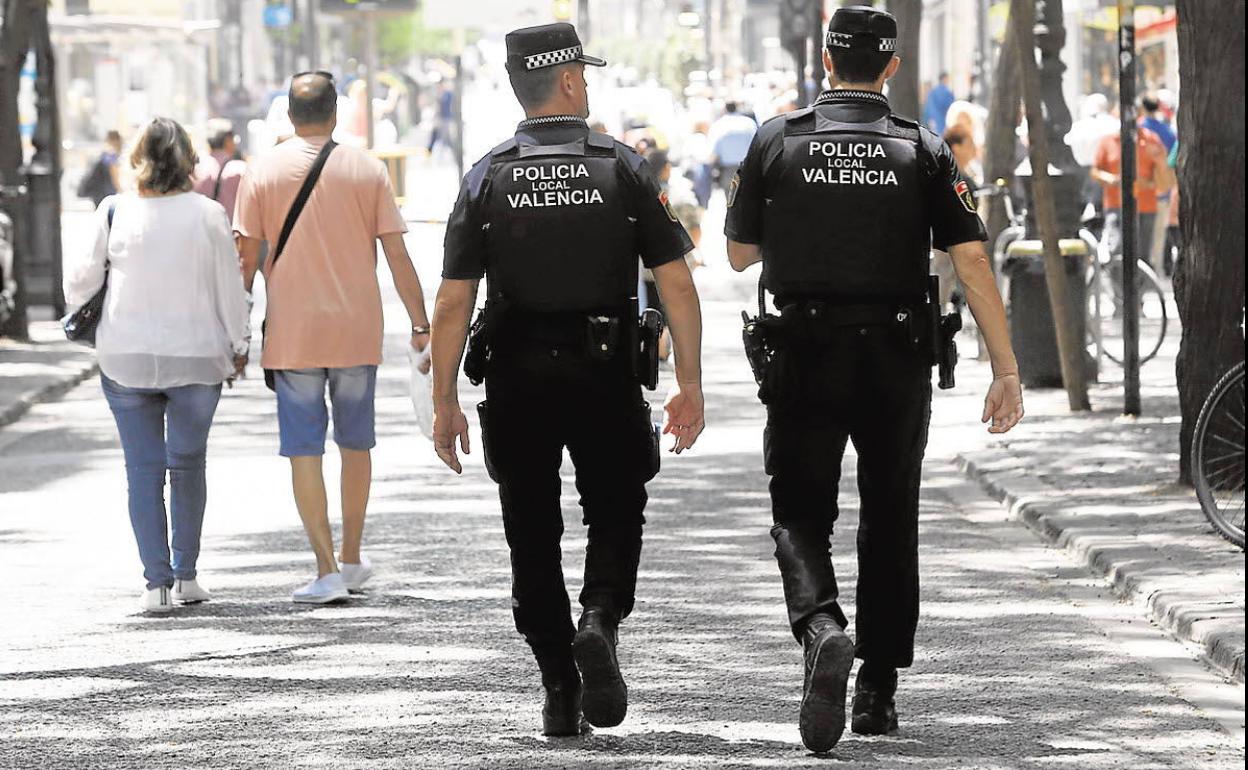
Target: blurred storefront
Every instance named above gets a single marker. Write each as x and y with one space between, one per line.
954 32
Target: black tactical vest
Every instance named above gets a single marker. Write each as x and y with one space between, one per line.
559 236
847 217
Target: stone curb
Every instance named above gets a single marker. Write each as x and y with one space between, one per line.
12 412
1182 614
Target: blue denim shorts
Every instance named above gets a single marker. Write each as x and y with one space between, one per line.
303 418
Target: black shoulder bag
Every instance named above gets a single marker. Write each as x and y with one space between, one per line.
296 208
80 325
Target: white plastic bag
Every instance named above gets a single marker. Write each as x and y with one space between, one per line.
422 390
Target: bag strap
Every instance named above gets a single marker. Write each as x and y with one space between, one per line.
216 187
112 209
301 200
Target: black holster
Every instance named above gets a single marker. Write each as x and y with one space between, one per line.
648 330
477 354
944 330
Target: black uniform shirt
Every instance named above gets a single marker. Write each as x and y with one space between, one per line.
950 201
660 236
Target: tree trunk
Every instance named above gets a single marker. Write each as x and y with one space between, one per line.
1069 343
1209 278
1000 142
903 89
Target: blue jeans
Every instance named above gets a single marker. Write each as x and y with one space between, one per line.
303 418
165 429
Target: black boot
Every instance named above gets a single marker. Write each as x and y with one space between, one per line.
561 713
605 697
875 712
829 657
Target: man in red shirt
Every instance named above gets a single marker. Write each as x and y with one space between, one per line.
1152 175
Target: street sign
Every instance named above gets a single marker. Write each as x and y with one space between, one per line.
351 6
500 14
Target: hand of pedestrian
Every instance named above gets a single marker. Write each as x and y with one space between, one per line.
420 343
240 370
685 416
449 424
1004 404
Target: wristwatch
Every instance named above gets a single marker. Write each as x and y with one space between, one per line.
420 329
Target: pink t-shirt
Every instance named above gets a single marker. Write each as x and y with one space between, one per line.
324 303
230 172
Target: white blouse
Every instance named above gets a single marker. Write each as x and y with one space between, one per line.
176 312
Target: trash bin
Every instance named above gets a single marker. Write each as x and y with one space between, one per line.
1031 319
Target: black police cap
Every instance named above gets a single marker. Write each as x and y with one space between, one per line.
862 27
549 45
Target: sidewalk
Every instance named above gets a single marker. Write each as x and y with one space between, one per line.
1104 487
42 369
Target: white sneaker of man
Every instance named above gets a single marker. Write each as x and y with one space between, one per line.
159 599
356 575
324 590
189 592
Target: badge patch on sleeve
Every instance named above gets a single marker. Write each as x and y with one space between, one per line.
733 188
667 206
965 195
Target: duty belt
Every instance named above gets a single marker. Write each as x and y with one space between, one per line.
827 313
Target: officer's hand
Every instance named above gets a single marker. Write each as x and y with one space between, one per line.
450 423
685 417
1004 404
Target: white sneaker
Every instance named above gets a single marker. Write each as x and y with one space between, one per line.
158 600
189 592
356 575
323 590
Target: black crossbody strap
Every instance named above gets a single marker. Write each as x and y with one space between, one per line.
301 199
216 187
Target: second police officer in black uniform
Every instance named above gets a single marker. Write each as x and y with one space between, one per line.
842 202
555 220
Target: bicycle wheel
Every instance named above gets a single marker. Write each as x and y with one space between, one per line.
1218 456
1106 287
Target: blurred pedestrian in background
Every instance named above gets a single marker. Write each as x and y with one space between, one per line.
219 174
1155 119
684 204
730 139
324 318
175 326
936 106
699 158
1094 124
1153 175
103 178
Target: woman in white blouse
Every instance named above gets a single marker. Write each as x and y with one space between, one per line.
175 327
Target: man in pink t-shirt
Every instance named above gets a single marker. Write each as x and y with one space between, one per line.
324 318
218 175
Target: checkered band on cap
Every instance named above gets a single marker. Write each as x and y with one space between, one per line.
845 40
552 58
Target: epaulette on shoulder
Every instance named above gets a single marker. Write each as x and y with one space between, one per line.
901 121
601 141
505 147
796 115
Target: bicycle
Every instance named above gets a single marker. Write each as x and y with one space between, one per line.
1218 456
1103 283
1106 303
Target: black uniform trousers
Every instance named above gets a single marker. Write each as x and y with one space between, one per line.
867 385
544 393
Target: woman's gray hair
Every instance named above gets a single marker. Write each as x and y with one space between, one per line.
163 158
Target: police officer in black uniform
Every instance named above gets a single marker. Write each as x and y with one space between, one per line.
555 220
842 202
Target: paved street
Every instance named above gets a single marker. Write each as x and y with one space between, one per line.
1026 660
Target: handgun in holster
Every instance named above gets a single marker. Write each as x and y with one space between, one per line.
648 330
477 355
759 349
945 329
